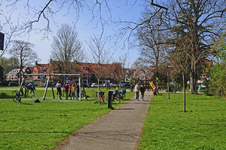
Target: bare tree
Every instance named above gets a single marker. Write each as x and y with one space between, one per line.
99 55
34 12
118 70
180 58
66 48
150 52
204 20
24 53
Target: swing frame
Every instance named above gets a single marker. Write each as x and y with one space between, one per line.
49 80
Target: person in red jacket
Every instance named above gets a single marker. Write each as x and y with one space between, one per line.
66 87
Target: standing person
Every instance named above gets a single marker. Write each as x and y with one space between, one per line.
200 87
69 90
136 90
142 90
155 89
76 91
72 92
66 87
58 86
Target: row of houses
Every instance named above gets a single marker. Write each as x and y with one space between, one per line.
106 72
88 71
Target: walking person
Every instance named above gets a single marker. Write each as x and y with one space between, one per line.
66 87
136 90
142 90
58 86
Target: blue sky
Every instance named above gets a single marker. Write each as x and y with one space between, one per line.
85 30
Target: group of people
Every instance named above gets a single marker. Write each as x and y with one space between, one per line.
70 90
141 89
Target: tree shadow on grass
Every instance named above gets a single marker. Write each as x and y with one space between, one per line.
26 103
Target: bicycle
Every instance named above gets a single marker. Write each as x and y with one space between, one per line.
117 96
101 98
16 96
94 94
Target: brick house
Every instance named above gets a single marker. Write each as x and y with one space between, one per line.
88 71
40 70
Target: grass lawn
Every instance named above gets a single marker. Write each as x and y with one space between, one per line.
42 125
203 126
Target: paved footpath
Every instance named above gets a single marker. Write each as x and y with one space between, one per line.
120 129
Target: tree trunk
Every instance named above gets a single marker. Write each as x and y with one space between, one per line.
184 106
192 91
194 80
168 84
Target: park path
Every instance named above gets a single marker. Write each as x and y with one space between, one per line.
120 129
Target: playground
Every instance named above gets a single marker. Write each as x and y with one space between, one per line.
49 123
42 125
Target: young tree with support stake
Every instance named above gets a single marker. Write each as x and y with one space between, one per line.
179 59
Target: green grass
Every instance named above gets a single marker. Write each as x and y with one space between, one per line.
42 125
201 127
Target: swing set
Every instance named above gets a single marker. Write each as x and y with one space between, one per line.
50 81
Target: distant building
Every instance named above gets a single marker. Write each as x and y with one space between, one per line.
13 75
40 70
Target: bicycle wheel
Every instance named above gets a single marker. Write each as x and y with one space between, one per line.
14 93
17 99
94 95
117 99
102 100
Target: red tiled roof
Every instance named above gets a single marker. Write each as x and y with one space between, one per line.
41 68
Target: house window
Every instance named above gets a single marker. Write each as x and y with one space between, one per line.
96 68
85 67
43 68
85 75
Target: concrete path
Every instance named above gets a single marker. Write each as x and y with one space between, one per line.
118 130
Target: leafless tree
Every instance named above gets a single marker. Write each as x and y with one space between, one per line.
118 70
34 12
204 20
66 48
99 55
24 53
180 58
151 53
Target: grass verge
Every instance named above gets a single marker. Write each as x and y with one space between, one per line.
42 125
201 127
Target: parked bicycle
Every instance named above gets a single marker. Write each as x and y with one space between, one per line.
101 98
94 94
117 96
16 96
